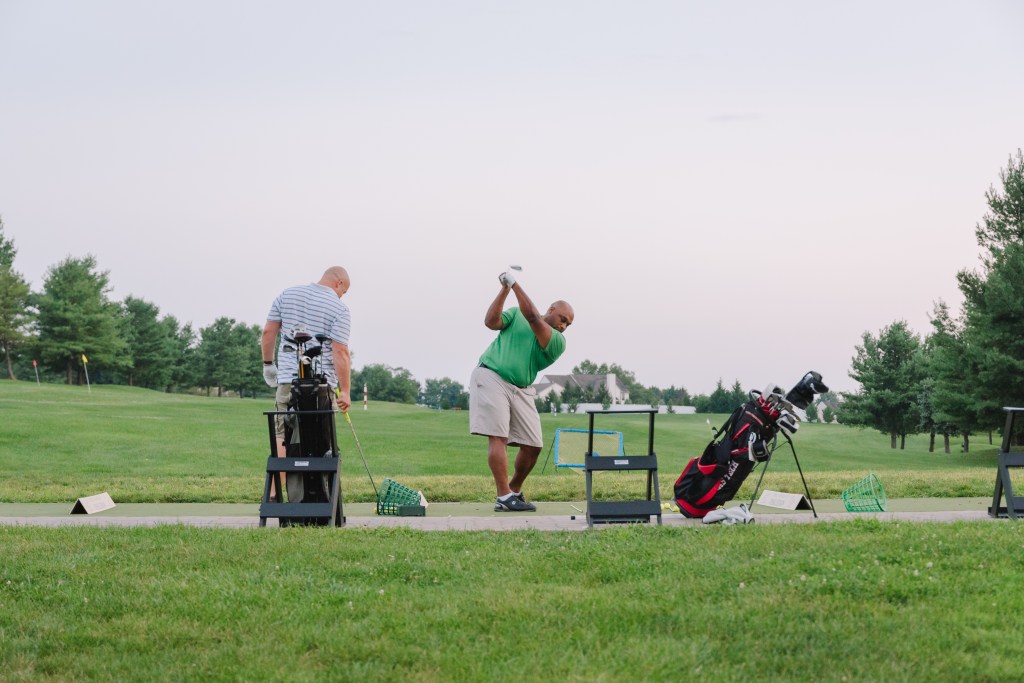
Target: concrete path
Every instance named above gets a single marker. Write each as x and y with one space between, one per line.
560 516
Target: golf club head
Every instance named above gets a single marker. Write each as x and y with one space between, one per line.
313 352
288 348
519 268
301 335
321 338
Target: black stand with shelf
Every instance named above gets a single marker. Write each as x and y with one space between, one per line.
1008 459
316 512
618 511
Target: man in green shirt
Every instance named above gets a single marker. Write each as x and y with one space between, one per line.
501 398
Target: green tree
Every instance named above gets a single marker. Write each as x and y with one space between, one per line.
76 317
676 396
217 356
957 398
1003 224
445 394
724 400
990 340
247 377
828 415
572 396
16 314
151 345
889 369
184 362
384 383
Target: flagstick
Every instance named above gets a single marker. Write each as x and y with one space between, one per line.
36 368
85 366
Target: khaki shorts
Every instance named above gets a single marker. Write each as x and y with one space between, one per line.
284 392
497 408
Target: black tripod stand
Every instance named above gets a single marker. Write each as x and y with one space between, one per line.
798 469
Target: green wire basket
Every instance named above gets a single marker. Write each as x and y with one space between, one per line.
395 499
867 495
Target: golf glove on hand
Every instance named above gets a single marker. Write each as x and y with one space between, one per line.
507 279
270 375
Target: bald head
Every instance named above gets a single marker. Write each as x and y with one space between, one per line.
560 315
337 279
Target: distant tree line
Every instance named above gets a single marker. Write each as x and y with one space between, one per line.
954 382
72 326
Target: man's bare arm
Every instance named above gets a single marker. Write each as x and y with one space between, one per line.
343 369
541 329
492 319
268 342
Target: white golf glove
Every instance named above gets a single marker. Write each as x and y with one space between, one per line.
507 279
270 375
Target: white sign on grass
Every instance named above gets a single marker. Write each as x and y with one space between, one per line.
91 504
784 501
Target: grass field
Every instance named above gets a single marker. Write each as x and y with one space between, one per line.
851 601
59 443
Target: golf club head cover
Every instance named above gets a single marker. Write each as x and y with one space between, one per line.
803 393
270 375
787 422
507 279
757 449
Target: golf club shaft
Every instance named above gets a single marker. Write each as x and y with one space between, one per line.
360 448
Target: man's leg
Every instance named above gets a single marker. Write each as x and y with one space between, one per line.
497 459
526 459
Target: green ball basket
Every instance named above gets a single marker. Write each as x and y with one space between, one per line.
395 499
867 495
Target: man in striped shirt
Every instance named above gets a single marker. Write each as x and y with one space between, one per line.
318 309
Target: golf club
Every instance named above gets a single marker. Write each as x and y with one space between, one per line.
360 448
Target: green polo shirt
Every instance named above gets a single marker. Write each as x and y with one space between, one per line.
516 354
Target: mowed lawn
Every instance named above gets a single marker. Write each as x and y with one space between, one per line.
58 443
862 600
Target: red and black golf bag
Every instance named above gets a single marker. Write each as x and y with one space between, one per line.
745 439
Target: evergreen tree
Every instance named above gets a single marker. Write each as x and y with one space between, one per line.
184 363
77 318
16 314
215 357
889 369
151 347
991 340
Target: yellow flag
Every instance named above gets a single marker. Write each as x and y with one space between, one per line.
84 359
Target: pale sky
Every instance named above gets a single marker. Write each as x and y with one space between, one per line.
732 190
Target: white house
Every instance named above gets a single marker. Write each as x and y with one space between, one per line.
556 384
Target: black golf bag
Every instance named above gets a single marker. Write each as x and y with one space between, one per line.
745 439
309 436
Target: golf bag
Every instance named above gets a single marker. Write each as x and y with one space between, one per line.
309 436
745 439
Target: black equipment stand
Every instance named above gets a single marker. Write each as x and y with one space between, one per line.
627 510
798 469
1008 459
319 513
